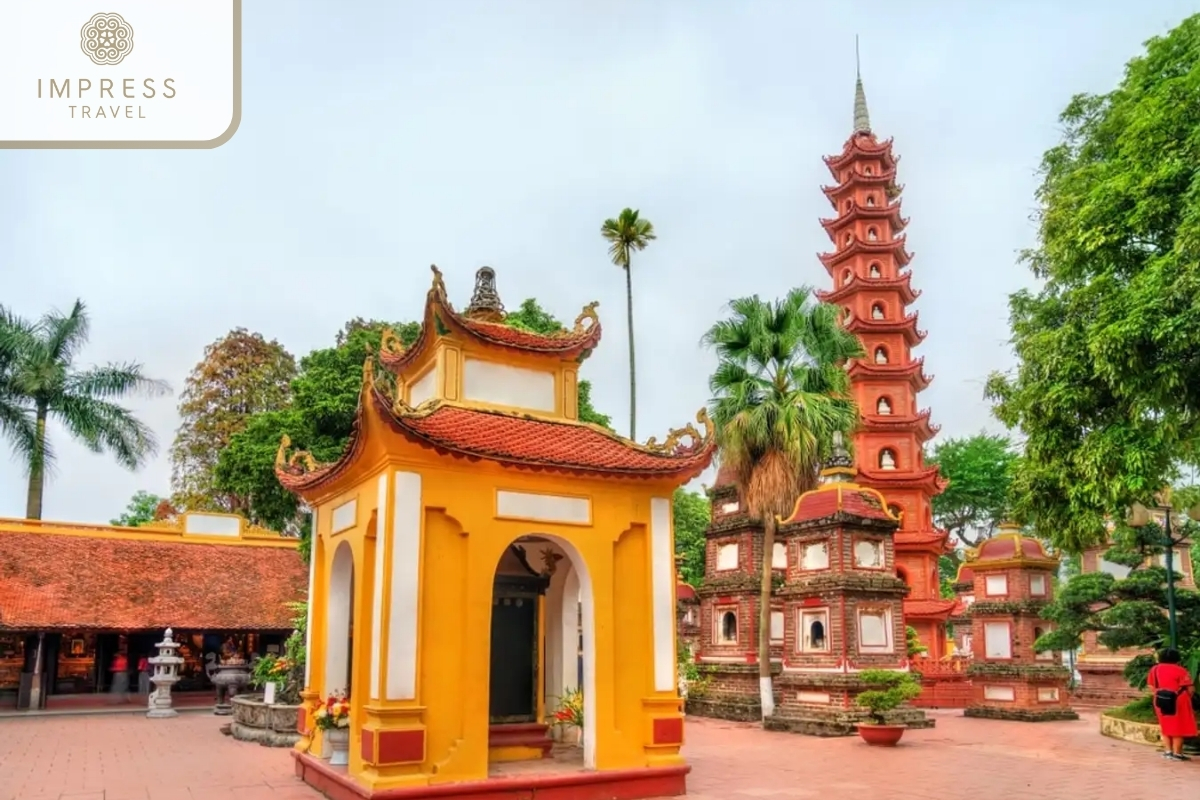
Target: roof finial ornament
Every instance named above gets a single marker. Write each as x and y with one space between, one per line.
862 120
839 467
485 302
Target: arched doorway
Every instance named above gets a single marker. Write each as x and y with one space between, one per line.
339 627
541 650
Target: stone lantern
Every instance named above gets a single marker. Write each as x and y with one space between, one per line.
1013 583
165 675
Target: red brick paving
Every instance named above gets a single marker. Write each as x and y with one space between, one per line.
127 757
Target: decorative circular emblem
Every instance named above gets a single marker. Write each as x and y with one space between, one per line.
106 39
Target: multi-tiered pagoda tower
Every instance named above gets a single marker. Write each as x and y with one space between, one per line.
872 283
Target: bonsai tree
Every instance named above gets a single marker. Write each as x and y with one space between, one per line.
891 690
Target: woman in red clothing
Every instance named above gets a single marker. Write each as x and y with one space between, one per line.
1168 678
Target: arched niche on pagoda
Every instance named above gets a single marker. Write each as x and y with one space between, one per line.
873 271
883 407
877 311
887 459
881 354
872 234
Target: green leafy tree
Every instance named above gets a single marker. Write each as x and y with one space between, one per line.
692 512
1129 611
627 234
780 393
241 374
141 509
979 469
1107 386
325 395
40 381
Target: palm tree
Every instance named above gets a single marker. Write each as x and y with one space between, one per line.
39 381
625 234
780 392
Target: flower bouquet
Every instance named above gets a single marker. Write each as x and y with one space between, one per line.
333 713
570 711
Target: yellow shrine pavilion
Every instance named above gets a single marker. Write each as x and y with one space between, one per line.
478 553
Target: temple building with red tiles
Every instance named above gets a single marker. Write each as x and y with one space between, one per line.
479 555
872 282
82 605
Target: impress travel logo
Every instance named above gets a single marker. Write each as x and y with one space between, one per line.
79 78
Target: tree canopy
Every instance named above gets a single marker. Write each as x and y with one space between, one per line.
1107 386
979 470
692 512
41 381
241 374
142 508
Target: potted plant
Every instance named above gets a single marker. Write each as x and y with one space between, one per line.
333 718
889 690
570 711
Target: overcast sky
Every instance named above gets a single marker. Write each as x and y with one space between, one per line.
380 137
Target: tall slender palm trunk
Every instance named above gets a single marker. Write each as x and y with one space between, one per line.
632 361
765 687
37 469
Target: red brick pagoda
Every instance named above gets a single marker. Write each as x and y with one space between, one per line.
871 282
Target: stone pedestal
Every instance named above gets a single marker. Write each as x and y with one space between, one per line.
166 674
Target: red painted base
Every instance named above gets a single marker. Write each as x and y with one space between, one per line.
625 784
521 734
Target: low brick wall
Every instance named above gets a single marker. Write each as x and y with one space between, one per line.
1021 714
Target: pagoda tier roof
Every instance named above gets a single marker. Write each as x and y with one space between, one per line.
102 578
908 326
926 478
889 212
862 144
886 180
938 609
858 246
919 423
864 369
901 284
933 541
440 318
518 440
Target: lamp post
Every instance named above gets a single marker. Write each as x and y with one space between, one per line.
1139 517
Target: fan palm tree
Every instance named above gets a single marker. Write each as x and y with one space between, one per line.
780 392
39 381
625 234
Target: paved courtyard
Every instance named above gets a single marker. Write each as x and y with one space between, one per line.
128 757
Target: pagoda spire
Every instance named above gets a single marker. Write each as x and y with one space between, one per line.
862 119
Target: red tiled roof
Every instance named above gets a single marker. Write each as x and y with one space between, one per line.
54 581
847 498
929 608
540 444
1011 547
439 313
